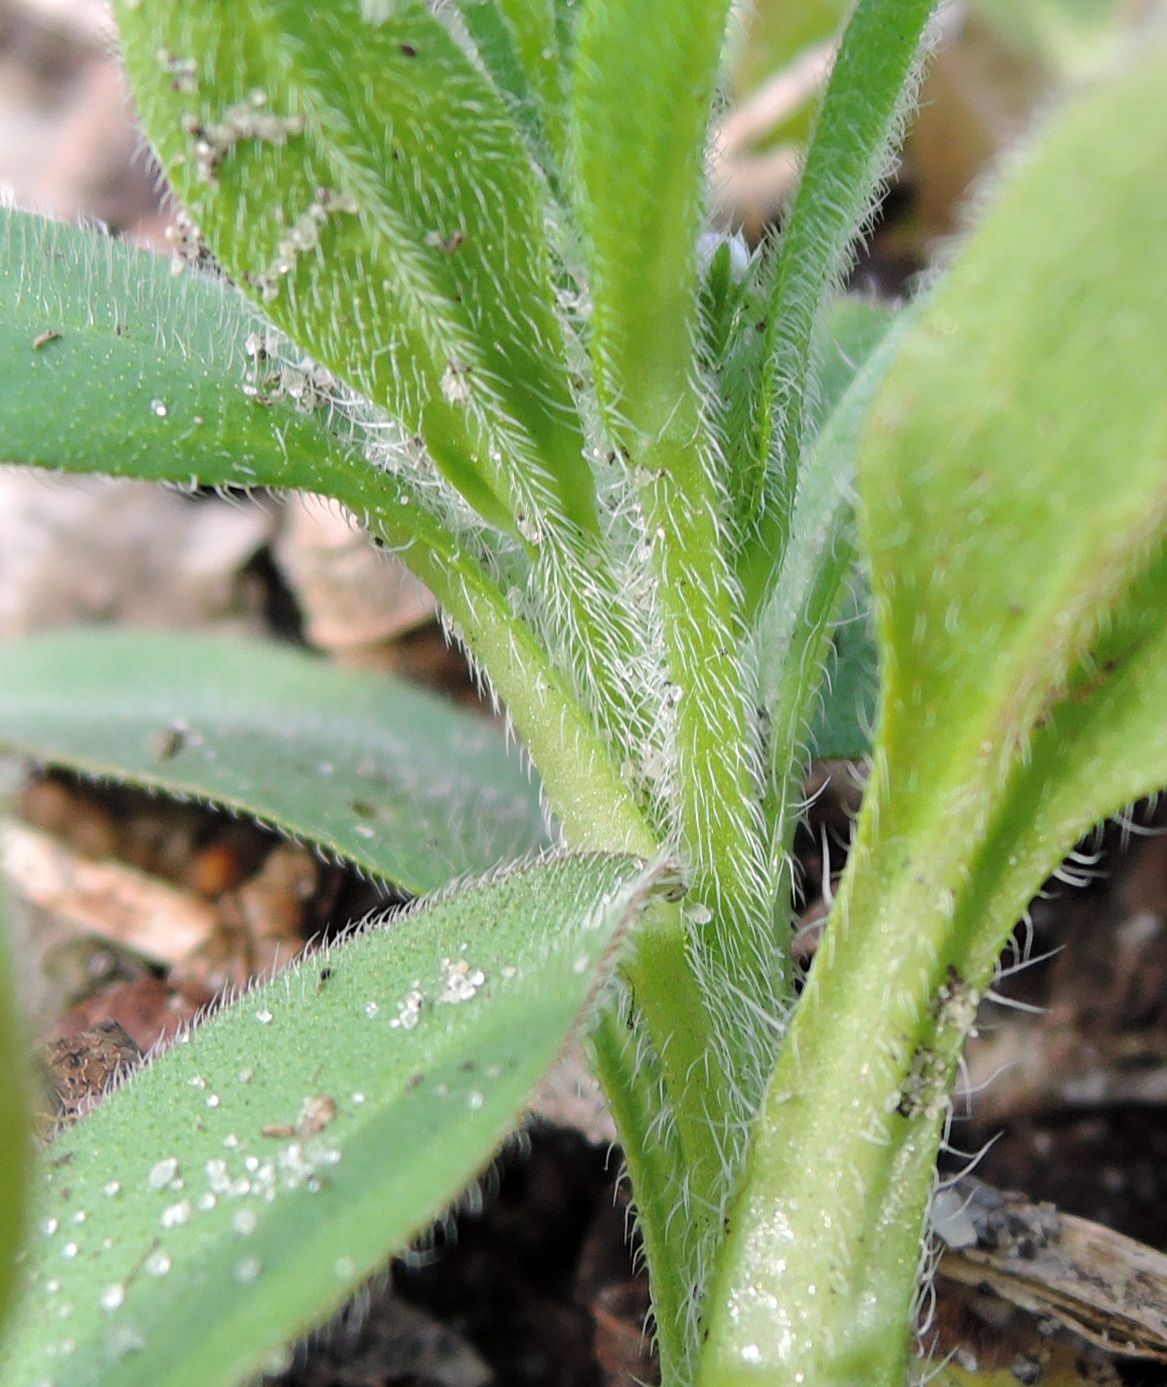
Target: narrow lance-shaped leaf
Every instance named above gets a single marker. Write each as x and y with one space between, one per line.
355 170
405 785
239 1189
642 83
519 45
112 363
115 365
794 630
152 371
1015 516
860 117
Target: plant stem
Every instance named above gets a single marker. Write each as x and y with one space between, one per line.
818 1274
655 1158
716 791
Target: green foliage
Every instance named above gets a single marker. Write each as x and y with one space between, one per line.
1078 36
404 785
354 224
262 1172
1014 513
114 363
628 474
859 123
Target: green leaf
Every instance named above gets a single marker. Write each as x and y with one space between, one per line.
811 714
239 1188
642 83
860 120
14 1137
844 718
135 338
380 773
359 174
640 186
113 363
518 41
1015 514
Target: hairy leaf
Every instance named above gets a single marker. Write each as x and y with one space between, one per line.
1015 514
816 706
859 122
405 785
641 86
112 363
357 172
236 1191
518 41
152 370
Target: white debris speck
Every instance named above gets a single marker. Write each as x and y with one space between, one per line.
49 1226
409 1010
247 1270
124 1339
474 1100
358 1099
176 1214
372 1009
455 385
70 1251
245 1221
460 982
158 1263
212 1100
112 1189
263 1017
245 1076
113 1297
162 1173
197 1082
580 966
158 407
509 971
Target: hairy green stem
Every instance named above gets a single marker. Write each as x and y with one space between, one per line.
655 1160
716 807
818 1274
